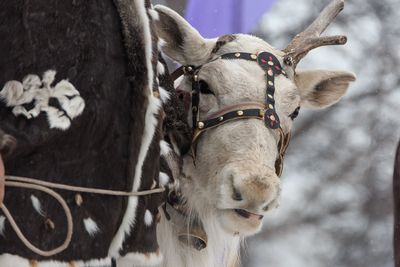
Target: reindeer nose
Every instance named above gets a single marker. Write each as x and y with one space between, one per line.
254 193
236 195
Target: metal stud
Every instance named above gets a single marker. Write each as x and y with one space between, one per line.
270 96
237 54
196 78
189 69
253 56
221 118
200 125
271 106
240 112
270 83
270 63
272 117
270 72
194 109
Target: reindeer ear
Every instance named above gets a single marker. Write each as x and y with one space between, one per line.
181 41
322 88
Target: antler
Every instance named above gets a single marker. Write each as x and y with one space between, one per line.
311 37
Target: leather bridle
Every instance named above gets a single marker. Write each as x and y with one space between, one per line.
266 112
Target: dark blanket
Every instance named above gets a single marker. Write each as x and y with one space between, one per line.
90 136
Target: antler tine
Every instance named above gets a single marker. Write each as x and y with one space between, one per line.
311 38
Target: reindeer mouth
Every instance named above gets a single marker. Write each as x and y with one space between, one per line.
248 215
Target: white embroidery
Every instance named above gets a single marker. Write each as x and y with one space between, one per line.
33 90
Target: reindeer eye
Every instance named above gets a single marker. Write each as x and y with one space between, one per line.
204 89
295 113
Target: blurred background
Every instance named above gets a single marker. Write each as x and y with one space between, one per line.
336 207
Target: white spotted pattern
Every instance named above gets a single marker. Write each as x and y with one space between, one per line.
2 225
164 148
148 218
163 178
37 205
91 227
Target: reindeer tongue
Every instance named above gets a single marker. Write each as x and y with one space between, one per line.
248 215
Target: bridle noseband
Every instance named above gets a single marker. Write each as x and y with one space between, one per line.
266 112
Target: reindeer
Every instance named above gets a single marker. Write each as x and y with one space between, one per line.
245 94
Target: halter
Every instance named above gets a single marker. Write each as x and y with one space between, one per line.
266 112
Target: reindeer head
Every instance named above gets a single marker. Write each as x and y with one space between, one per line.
235 174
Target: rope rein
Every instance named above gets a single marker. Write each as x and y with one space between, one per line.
43 186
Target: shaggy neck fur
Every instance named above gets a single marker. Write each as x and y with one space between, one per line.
222 247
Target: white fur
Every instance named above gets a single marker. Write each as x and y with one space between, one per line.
2 224
160 68
154 14
151 122
13 94
91 226
48 78
163 178
164 148
8 260
164 95
148 218
32 89
37 205
140 260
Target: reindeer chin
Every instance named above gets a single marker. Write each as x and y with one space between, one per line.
241 222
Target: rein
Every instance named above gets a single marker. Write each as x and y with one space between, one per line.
29 183
247 110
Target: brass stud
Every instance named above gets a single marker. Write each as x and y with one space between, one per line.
253 56
270 83
271 106
200 125
196 78
237 55
240 112
221 118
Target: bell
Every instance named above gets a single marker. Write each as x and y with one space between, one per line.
194 235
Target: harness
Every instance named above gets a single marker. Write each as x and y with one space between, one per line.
246 110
